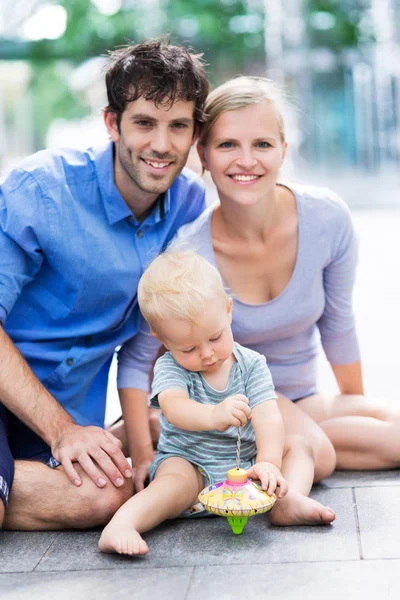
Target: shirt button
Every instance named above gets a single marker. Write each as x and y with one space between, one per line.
87 339
69 361
140 233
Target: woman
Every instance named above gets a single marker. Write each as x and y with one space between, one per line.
288 256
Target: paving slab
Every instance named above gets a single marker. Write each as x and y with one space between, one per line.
361 580
20 551
157 584
378 510
209 541
361 479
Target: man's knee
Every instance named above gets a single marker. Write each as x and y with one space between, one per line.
98 505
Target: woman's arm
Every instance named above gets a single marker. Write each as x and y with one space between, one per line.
135 410
349 378
337 324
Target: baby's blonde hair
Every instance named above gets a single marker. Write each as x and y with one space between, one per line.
238 93
178 285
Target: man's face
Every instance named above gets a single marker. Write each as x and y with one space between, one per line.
152 144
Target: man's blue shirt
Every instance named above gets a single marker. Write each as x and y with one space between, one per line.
71 255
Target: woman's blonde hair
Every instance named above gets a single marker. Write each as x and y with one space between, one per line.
238 93
178 285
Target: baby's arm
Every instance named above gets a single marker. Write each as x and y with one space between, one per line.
268 427
190 415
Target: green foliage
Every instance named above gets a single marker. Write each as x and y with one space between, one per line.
206 25
346 31
52 97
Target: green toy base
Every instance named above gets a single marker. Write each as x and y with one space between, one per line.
237 524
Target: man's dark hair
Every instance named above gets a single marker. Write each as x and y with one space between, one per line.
157 71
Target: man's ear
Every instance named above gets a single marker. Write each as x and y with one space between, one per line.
196 133
110 121
202 156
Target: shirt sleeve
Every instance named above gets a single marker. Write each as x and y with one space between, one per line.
337 324
195 204
21 218
167 375
136 358
259 385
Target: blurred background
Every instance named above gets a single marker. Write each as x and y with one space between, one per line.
339 61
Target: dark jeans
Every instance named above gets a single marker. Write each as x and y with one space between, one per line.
17 442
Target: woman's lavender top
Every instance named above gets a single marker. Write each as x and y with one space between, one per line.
316 305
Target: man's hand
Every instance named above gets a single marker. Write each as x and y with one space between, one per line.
270 477
234 410
91 447
141 463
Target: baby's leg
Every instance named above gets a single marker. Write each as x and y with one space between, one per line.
309 457
296 508
174 489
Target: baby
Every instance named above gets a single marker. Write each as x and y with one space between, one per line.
206 386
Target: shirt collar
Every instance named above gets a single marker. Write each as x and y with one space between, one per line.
114 204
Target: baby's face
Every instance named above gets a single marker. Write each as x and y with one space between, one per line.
203 347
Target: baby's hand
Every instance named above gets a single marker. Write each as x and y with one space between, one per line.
270 477
234 410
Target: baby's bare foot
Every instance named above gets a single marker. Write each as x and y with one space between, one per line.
296 509
122 540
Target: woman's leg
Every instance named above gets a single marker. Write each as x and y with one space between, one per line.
308 457
174 489
364 431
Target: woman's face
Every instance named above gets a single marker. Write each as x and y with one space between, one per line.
244 153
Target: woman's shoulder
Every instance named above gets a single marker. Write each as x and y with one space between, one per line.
194 228
321 209
320 199
196 235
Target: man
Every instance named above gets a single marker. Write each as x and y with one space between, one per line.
76 231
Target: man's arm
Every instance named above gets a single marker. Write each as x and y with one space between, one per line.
23 394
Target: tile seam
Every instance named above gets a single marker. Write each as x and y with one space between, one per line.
353 560
189 583
358 529
45 552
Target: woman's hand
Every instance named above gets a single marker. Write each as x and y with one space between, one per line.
234 410
270 477
141 462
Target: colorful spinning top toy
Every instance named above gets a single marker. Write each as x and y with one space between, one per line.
237 498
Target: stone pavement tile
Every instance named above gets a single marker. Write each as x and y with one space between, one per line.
378 515
360 479
209 541
20 551
157 584
353 580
